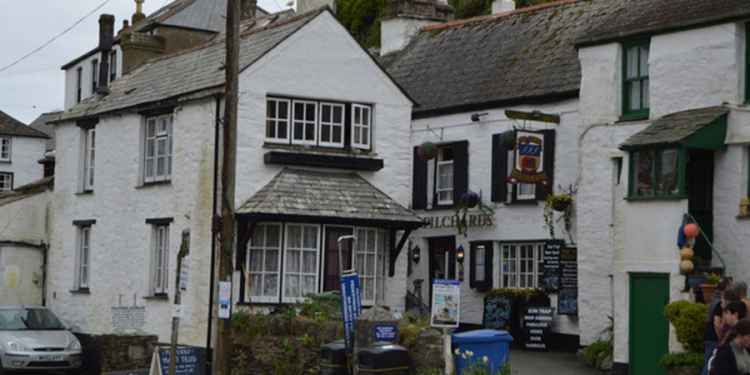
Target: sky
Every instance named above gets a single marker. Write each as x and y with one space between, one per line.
37 84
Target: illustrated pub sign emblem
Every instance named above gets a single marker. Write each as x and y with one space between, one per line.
529 159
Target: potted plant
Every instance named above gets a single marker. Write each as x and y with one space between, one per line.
709 286
561 203
688 320
682 363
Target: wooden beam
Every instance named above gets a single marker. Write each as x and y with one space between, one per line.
396 249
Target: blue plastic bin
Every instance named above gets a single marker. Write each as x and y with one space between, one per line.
490 343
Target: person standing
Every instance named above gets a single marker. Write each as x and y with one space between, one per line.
710 335
731 314
732 356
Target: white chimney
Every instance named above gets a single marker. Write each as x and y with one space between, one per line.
404 18
304 6
499 6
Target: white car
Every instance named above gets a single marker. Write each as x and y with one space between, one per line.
32 339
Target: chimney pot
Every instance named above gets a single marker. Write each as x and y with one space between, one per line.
138 16
106 38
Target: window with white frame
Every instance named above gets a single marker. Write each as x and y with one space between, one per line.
158 149
361 118
520 265
277 120
6 181
367 248
304 115
94 75
83 266
89 157
5 149
444 180
264 260
159 259
332 124
301 262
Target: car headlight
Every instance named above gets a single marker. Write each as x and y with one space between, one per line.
15 346
74 345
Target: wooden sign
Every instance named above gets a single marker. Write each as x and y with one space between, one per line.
537 324
568 295
498 312
551 266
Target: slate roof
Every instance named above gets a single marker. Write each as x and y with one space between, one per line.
188 72
528 54
42 124
21 192
195 14
676 127
13 127
638 17
347 196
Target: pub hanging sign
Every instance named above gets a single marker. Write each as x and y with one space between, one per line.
528 167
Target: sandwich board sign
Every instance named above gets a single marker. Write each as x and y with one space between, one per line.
191 360
446 303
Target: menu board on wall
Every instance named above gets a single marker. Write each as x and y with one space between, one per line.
537 322
568 295
551 266
498 312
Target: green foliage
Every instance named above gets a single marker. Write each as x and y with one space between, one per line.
595 353
688 320
471 8
516 293
410 327
479 365
672 360
322 307
362 19
713 279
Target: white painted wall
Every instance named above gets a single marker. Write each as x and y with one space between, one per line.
396 33
513 222
86 88
25 153
21 275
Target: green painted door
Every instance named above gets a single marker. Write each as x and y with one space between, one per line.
649 330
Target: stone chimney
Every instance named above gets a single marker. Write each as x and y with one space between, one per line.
403 19
125 27
249 9
138 16
304 6
499 6
106 38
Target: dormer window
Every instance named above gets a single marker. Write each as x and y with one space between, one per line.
94 75
79 83
636 96
113 65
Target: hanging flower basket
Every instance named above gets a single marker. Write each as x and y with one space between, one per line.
470 199
427 151
560 202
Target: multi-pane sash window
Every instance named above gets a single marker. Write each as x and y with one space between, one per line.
6 181
158 149
361 118
160 256
332 124
113 65
636 79
368 245
521 265
264 260
480 268
301 262
89 157
655 173
94 75
444 182
304 115
79 83
5 149
84 257
277 120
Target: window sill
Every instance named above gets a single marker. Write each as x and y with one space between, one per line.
157 297
5 162
634 117
80 291
85 192
314 149
146 185
659 198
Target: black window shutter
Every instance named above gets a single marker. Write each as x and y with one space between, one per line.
499 168
419 183
460 170
485 284
542 190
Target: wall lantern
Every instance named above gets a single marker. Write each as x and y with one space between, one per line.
460 254
415 254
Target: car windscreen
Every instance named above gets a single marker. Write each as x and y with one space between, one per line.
23 319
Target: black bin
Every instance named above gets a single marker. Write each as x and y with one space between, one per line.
384 359
333 359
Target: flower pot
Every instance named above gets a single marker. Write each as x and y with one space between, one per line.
708 292
683 370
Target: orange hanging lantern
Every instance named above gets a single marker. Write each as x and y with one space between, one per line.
686 253
691 230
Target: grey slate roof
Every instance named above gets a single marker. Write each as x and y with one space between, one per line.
675 127
525 55
42 124
195 14
634 17
187 72
13 127
326 194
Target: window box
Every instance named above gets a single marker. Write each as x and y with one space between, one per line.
657 174
635 81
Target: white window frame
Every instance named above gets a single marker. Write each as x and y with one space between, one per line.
480 254
276 118
6 181
5 149
288 248
79 84
331 124
159 259
361 248
165 135
94 75
364 128
89 158
263 272
83 266
514 258
304 122
438 185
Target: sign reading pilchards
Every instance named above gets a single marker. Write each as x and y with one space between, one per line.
528 167
537 322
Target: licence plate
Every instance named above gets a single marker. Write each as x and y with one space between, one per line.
51 358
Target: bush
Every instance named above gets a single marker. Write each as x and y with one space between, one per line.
689 321
672 360
595 353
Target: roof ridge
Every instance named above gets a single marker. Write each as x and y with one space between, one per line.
492 17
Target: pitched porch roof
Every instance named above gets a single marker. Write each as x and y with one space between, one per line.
700 128
336 198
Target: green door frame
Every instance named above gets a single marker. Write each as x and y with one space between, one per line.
631 342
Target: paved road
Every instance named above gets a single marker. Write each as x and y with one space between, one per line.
532 363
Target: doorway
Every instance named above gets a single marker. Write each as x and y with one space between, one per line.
442 254
649 330
700 189
331 269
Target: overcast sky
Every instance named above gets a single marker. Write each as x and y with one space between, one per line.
36 85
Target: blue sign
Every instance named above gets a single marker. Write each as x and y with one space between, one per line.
351 304
386 332
190 360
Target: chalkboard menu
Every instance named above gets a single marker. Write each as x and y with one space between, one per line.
551 266
498 312
190 361
567 297
537 323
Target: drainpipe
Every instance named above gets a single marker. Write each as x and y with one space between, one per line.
45 249
209 357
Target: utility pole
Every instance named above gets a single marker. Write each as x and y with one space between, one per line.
223 345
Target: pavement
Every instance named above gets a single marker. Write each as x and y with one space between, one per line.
547 363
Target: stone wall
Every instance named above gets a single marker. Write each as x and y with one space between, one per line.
105 353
